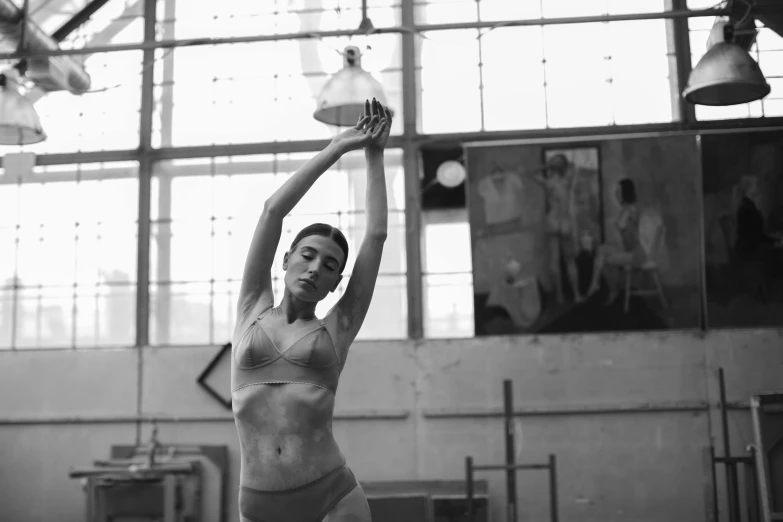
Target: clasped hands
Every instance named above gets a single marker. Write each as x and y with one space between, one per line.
371 132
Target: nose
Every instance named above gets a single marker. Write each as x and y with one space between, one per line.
314 270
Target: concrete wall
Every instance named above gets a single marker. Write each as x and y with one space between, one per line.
414 410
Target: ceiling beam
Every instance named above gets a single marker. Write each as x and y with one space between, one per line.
78 20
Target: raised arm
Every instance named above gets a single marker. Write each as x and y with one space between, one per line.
351 309
256 289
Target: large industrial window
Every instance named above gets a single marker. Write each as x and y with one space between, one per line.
575 75
447 270
767 51
263 91
68 232
68 239
204 213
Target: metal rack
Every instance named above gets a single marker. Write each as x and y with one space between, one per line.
511 467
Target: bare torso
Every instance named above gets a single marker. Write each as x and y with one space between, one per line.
557 197
285 430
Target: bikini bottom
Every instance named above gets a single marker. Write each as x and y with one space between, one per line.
307 503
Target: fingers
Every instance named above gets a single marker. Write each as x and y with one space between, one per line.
374 121
372 124
379 130
362 121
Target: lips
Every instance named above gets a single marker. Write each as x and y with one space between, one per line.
309 283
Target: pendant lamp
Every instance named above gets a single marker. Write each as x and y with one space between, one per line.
726 75
19 123
342 98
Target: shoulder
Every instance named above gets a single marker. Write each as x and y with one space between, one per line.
247 317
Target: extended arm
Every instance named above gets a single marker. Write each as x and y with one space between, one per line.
352 307
256 286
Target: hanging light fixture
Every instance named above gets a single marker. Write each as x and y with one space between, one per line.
341 101
19 123
726 74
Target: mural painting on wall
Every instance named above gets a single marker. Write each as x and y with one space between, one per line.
743 223
585 237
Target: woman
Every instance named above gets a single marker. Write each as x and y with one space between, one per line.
630 252
751 236
286 362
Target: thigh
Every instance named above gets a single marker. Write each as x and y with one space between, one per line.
352 507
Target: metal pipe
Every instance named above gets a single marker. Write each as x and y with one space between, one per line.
685 407
144 236
77 20
731 477
410 152
733 493
751 489
469 488
757 495
496 467
765 499
190 42
715 507
511 476
733 460
681 43
476 138
553 511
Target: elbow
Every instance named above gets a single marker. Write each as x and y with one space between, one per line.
377 236
271 209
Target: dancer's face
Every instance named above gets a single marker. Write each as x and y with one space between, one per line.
312 268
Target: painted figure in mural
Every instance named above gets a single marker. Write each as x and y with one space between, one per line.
639 231
558 177
286 362
752 237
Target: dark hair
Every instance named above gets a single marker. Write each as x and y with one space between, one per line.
627 191
324 230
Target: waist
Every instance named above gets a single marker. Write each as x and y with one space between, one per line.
284 462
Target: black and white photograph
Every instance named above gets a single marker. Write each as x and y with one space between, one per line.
391 260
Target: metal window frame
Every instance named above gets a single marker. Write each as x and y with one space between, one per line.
409 141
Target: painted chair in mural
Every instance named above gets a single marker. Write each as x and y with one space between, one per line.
652 237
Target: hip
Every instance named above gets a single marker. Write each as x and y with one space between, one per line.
309 502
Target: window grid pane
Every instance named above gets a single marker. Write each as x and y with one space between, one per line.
204 212
541 77
68 276
210 19
448 278
104 118
261 91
